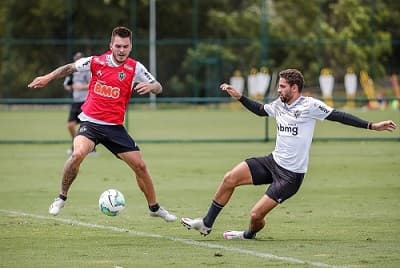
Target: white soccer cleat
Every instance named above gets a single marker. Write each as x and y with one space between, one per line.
196 224
163 213
56 206
234 235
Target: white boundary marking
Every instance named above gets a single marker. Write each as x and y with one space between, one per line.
176 239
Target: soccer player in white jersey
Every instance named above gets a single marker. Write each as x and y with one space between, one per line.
77 83
285 167
114 78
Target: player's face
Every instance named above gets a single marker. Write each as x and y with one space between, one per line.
286 92
120 48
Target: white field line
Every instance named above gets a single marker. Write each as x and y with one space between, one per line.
176 239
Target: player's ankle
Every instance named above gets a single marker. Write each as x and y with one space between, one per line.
249 234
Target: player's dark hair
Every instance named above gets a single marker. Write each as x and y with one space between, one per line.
293 77
121 32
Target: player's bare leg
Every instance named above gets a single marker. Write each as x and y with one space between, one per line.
135 161
82 146
259 211
71 126
257 219
145 182
239 175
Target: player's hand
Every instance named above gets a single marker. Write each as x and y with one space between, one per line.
388 125
230 90
144 88
39 81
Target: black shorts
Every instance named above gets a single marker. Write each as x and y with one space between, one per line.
114 137
74 111
283 183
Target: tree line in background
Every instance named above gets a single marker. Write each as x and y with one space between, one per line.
200 43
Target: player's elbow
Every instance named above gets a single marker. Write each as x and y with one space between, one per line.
261 112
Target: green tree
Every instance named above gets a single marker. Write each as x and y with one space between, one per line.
200 41
358 41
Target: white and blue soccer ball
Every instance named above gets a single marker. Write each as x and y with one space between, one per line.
111 202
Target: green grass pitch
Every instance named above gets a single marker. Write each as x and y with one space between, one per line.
346 213
223 122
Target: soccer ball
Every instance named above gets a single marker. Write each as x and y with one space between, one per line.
111 202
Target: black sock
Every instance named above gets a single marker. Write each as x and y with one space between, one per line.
63 197
154 208
249 234
212 214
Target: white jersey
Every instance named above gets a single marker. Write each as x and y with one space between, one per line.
295 128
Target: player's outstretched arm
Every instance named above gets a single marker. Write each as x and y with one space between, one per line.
252 105
60 72
230 90
351 120
388 125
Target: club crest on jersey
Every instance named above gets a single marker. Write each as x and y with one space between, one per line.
296 113
121 76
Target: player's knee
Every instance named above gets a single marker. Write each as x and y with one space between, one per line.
140 167
230 180
77 156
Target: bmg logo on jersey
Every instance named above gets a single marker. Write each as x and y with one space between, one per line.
290 129
106 91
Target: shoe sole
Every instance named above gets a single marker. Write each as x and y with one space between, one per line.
190 227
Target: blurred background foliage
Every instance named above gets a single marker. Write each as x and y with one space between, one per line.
200 43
